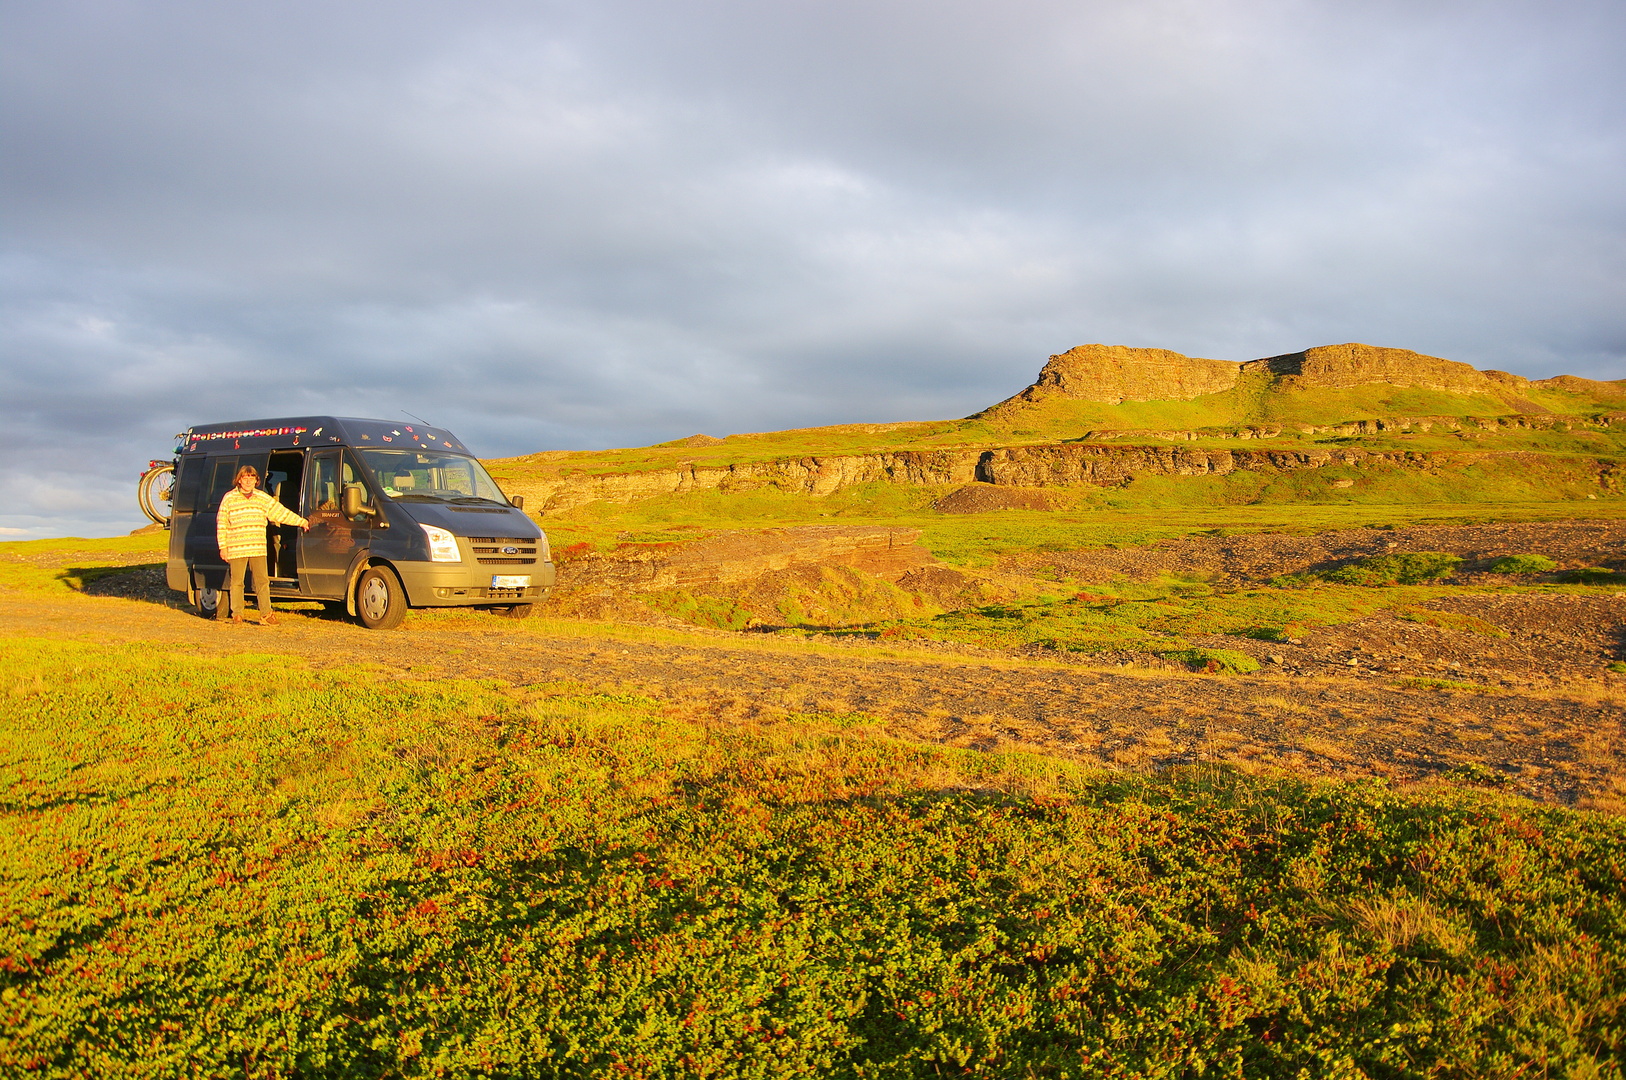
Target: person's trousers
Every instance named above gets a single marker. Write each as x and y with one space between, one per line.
262 584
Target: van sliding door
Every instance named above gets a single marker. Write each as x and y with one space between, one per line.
326 551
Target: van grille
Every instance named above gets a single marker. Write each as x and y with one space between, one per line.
503 550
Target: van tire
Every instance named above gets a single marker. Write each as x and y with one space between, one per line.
209 601
381 603
518 611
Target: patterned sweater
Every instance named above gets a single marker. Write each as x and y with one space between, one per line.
240 525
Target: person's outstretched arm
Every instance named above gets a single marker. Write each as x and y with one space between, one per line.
282 515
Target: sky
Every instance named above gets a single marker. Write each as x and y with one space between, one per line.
573 225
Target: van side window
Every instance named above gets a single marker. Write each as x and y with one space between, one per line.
323 491
188 483
352 475
219 481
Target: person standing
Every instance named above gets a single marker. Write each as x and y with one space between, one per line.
240 532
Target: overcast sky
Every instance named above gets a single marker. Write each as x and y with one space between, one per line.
577 225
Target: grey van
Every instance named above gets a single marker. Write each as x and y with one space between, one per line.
400 516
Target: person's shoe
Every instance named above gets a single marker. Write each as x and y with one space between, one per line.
236 618
268 619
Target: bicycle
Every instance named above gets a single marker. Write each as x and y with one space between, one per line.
156 491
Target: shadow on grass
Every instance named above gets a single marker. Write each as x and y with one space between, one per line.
146 583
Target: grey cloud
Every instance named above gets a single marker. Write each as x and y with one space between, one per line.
575 225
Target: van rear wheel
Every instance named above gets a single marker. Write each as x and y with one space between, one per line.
380 600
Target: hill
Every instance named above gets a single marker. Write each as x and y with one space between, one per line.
1101 415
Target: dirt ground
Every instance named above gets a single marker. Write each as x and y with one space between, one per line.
1537 712
1258 557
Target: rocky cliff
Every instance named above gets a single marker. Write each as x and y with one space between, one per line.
1343 367
804 475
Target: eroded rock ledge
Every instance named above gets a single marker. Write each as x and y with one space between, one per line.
1049 465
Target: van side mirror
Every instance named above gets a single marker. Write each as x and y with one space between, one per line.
518 501
353 506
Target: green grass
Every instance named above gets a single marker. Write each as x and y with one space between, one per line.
47 565
241 867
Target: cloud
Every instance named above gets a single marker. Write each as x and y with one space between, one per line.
574 225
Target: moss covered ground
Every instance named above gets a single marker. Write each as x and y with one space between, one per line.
243 867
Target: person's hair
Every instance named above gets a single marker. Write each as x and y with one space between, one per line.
246 470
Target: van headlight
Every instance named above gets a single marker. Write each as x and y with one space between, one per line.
442 545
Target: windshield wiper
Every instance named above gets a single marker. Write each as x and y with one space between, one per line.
474 498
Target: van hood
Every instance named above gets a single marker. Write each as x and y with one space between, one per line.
471 520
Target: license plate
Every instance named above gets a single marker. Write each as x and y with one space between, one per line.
510 581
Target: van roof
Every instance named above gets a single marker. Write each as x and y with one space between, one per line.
287 432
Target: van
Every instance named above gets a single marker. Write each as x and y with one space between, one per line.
401 515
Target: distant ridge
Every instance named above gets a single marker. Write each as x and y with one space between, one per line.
1344 367
1113 374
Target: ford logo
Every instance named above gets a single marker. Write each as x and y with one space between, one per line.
510 551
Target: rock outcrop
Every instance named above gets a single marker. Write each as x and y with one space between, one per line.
804 475
1071 464
1118 373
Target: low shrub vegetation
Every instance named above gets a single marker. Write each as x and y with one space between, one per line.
1215 661
1409 568
716 612
1523 564
1593 575
1451 620
239 867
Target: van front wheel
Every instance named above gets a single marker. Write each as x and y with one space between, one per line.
380 600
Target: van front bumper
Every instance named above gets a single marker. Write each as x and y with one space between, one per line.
430 584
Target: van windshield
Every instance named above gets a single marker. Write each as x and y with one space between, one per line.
426 476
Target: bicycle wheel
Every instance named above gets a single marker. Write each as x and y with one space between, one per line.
155 492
